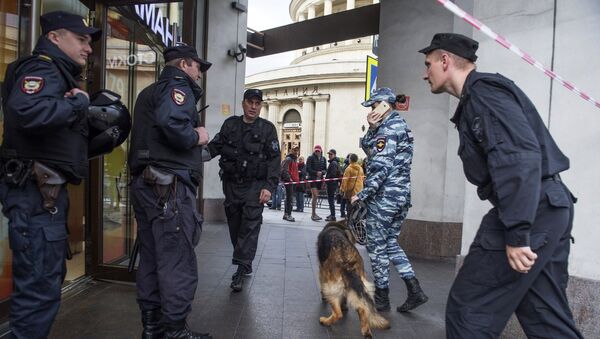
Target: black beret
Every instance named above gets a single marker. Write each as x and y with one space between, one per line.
52 21
185 51
453 43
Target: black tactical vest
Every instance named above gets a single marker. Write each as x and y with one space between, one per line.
244 154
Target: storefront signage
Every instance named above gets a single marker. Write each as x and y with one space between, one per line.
292 125
158 23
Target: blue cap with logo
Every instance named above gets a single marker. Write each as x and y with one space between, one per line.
380 94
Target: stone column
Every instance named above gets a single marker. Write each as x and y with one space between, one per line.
321 127
301 17
350 4
264 111
308 117
328 7
311 12
274 113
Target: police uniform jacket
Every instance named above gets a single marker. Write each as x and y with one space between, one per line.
389 148
249 152
40 123
163 133
506 150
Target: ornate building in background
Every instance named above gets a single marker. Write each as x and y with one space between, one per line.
316 99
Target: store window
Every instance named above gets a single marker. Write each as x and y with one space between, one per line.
136 37
9 31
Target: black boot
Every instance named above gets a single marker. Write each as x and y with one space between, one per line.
181 331
382 299
153 328
237 280
416 296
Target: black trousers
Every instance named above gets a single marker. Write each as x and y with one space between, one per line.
244 218
331 188
289 198
38 242
487 290
167 275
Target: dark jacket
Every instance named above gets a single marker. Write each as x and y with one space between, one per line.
315 164
40 123
248 151
334 170
289 169
506 150
163 133
301 176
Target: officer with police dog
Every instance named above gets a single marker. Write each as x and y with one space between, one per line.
165 160
250 169
518 261
386 192
45 146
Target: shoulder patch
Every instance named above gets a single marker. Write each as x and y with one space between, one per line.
380 143
32 84
275 145
178 96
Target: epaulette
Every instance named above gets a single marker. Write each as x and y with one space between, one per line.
44 57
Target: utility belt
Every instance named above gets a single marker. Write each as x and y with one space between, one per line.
49 181
241 171
161 182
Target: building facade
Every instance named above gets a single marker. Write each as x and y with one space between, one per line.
316 99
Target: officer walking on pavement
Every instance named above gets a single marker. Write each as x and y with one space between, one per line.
45 146
250 169
519 257
389 147
165 158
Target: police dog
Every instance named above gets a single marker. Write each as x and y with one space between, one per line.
343 279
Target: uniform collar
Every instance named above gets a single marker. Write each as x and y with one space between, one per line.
46 47
464 95
170 72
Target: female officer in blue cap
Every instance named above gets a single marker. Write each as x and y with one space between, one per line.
389 147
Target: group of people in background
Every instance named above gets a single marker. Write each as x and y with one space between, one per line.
341 179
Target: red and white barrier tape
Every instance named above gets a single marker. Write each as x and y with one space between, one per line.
319 180
502 41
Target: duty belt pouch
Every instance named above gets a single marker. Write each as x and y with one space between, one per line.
49 183
159 180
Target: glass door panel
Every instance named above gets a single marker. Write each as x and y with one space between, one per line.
134 48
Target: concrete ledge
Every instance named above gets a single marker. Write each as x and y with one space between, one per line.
213 210
584 299
431 240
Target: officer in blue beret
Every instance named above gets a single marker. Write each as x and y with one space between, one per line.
386 192
44 146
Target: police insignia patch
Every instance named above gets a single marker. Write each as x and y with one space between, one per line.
32 85
178 96
275 145
380 144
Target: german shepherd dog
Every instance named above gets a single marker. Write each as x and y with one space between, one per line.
342 277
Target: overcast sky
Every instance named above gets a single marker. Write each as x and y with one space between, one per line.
262 15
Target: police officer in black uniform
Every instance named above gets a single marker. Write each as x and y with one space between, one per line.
250 166
45 146
165 159
518 259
